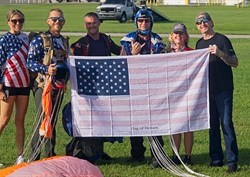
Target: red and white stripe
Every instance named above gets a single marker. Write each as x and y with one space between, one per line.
16 73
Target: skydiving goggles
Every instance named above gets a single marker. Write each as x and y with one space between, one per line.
143 20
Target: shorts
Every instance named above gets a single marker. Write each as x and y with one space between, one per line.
13 91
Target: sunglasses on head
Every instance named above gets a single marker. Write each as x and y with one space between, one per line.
14 21
144 20
205 20
54 19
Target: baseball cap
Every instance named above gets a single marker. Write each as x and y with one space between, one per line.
179 27
202 15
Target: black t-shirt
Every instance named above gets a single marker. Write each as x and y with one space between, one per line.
104 46
99 48
220 74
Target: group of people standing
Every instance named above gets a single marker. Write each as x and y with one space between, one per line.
17 56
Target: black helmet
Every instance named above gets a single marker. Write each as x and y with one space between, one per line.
62 75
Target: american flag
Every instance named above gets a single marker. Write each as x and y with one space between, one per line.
15 72
141 95
102 77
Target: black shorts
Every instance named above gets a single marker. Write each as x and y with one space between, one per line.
17 91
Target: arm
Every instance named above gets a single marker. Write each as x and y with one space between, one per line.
159 45
80 47
115 49
3 96
36 55
126 47
2 61
160 48
3 57
229 60
126 42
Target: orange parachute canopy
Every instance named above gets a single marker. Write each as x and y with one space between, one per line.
6 171
54 166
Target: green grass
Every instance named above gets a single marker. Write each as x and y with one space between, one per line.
228 20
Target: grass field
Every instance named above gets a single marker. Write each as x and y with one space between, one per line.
228 20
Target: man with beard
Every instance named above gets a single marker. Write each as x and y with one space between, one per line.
94 43
46 68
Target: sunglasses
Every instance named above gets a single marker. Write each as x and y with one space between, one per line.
142 20
14 21
205 20
54 19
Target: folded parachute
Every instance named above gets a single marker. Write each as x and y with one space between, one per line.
55 166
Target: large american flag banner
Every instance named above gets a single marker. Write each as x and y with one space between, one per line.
140 95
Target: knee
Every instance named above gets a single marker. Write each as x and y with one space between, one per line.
227 126
19 121
4 121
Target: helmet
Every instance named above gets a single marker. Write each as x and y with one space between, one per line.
144 13
62 75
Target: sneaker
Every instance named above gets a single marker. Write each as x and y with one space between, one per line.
155 163
216 163
106 157
176 160
232 168
20 159
187 160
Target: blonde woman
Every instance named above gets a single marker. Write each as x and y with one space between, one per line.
178 42
14 77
